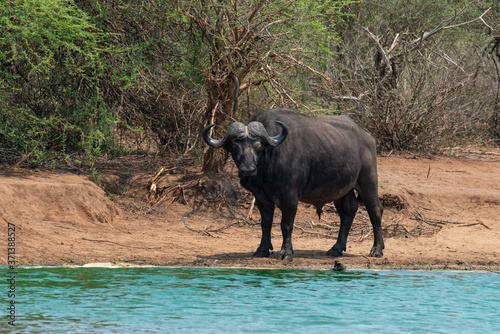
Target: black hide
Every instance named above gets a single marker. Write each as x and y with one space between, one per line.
316 160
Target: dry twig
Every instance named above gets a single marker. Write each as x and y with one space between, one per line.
441 222
116 243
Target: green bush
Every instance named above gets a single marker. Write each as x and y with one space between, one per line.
437 92
87 76
50 61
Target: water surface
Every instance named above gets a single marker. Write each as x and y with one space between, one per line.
197 300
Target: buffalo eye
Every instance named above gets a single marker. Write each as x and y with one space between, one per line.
257 146
233 146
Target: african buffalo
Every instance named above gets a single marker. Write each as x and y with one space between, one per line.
284 157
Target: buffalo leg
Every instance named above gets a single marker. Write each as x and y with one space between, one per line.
375 210
347 207
369 192
266 213
288 213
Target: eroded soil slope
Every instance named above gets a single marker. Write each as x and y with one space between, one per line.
442 212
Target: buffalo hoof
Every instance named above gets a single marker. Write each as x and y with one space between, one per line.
283 255
376 252
335 251
261 253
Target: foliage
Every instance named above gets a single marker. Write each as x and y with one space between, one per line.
93 76
252 45
50 71
151 77
415 74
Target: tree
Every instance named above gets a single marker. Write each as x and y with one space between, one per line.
50 68
412 73
257 43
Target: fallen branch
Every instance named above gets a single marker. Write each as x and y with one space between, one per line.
364 235
367 258
116 243
441 222
479 223
153 181
250 212
203 232
319 224
207 231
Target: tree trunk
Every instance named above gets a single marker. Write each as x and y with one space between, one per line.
221 109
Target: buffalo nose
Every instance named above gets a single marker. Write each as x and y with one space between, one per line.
247 171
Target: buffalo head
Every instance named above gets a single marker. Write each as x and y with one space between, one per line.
246 143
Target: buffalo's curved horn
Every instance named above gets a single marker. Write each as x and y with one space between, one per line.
212 142
282 136
258 130
233 130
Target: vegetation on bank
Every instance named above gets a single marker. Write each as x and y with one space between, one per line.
79 79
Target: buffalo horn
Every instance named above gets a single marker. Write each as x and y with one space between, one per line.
258 130
231 132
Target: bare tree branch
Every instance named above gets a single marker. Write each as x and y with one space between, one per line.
416 43
380 49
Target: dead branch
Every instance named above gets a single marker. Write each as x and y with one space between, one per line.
416 43
250 212
208 230
478 223
387 61
394 43
326 227
202 232
301 64
116 243
441 222
154 179
364 235
356 98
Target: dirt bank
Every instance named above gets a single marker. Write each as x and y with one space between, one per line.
441 212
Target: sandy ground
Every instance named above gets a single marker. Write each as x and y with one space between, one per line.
440 212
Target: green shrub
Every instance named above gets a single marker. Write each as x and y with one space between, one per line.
50 63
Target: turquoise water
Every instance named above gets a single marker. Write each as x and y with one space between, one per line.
194 300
